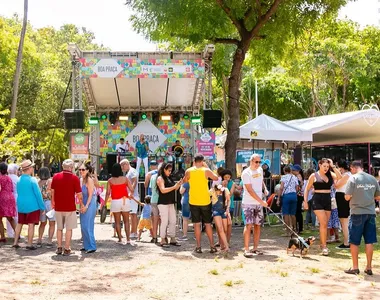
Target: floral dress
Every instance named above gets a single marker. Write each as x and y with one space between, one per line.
7 199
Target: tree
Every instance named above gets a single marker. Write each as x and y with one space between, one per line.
16 81
234 22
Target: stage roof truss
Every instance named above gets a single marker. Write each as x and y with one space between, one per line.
142 81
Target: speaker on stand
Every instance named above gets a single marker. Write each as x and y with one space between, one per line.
212 118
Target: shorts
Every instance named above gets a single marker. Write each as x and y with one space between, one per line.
362 225
66 219
321 201
185 209
219 213
120 205
343 205
134 205
253 214
155 211
201 213
145 223
29 218
43 217
289 204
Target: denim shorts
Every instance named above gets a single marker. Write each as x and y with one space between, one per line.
289 204
362 225
185 209
219 213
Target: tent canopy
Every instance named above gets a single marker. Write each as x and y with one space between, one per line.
266 128
346 128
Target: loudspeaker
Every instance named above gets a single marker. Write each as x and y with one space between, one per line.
111 160
74 118
212 118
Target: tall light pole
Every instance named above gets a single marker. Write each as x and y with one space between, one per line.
256 99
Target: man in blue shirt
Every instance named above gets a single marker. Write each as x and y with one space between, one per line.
141 152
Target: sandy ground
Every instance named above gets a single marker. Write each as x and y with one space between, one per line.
147 271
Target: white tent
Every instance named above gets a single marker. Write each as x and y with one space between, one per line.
266 128
346 128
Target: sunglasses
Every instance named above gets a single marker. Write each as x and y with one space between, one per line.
257 162
82 170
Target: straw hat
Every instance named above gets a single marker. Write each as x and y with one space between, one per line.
26 164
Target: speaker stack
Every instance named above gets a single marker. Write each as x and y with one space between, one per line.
212 118
73 118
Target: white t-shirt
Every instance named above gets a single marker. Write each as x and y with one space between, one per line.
255 179
132 173
342 189
121 148
290 183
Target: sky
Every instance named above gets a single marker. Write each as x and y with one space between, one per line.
109 19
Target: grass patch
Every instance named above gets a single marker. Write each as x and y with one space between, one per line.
214 272
373 284
240 265
142 267
239 282
280 260
315 270
216 259
229 283
201 286
35 282
284 274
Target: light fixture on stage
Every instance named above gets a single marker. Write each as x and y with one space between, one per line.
123 118
196 120
135 118
93 121
156 118
112 117
186 116
166 117
103 117
143 116
176 117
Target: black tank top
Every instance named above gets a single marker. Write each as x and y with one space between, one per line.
168 198
320 184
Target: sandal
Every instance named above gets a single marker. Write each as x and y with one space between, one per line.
31 247
67 252
368 272
175 244
352 271
213 250
164 245
198 250
59 251
248 254
17 246
257 252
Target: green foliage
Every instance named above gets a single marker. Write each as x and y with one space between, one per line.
16 146
46 68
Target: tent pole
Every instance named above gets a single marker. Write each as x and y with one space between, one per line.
369 158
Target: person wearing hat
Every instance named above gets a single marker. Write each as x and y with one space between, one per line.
29 204
148 176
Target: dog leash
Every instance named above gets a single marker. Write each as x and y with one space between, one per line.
300 238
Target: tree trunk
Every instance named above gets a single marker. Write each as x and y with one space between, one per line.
233 107
225 102
16 80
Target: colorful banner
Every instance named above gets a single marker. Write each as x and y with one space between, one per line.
79 146
136 68
206 145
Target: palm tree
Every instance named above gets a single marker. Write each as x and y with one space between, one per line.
16 80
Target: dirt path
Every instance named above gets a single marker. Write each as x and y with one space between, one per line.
150 272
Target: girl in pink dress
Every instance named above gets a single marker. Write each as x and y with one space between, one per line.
7 200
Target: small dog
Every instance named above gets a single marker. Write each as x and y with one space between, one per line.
295 243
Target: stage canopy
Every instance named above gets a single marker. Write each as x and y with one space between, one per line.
346 128
140 81
269 129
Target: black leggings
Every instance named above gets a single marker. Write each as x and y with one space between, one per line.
299 217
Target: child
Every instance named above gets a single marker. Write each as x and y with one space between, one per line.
220 197
145 220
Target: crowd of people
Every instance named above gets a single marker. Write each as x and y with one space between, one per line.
335 197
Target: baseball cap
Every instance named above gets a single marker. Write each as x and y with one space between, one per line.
296 168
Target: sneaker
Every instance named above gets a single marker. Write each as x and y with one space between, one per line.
49 245
184 238
39 245
343 247
325 252
248 254
130 242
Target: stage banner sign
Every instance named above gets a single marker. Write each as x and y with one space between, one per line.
79 146
152 135
243 156
138 68
206 145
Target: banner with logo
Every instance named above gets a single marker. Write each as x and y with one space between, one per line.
243 156
151 133
141 68
206 145
79 146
